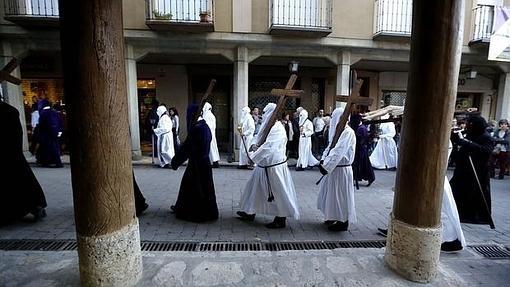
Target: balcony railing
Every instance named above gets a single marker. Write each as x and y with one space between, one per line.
31 8
301 15
393 18
180 12
483 21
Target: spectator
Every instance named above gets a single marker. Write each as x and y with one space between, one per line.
499 156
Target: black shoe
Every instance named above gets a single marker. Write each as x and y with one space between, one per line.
338 226
215 164
245 216
329 222
172 209
299 168
370 183
451 246
382 232
142 209
243 167
278 222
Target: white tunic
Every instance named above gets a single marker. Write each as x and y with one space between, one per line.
254 199
165 140
306 157
210 119
449 214
336 190
248 128
385 154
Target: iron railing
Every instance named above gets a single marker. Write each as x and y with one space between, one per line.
483 21
31 8
393 17
190 11
301 13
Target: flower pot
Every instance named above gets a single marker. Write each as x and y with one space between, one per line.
205 17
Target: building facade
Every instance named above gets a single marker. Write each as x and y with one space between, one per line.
174 47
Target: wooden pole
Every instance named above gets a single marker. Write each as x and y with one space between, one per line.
95 89
436 47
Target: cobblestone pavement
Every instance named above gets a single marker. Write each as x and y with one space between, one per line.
160 187
339 267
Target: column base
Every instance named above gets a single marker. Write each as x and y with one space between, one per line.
413 252
113 259
136 154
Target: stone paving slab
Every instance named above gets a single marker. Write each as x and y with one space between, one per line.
160 187
340 267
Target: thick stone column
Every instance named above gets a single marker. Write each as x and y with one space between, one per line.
414 234
503 103
240 91
13 94
343 73
95 89
132 94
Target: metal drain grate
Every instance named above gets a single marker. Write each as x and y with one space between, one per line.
492 251
69 245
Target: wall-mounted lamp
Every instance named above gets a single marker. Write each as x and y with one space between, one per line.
293 67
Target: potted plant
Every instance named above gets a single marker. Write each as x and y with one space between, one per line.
161 15
205 16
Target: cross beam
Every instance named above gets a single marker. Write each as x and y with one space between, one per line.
208 92
5 73
283 94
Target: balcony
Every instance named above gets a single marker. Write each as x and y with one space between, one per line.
483 21
41 13
392 19
181 15
300 17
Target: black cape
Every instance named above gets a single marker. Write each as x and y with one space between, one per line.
196 201
362 167
20 192
49 126
465 189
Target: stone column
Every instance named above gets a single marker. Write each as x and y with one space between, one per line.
95 88
414 232
13 94
240 91
343 73
503 103
132 96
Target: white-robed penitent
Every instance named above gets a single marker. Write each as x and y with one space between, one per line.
305 158
247 125
336 190
449 214
385 154
210 119
165 137
271 175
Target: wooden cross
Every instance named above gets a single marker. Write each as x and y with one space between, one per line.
352 100
5 73
204 100
283 94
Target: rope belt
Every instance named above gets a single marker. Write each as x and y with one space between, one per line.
271 195
341 165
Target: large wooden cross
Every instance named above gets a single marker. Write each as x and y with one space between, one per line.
203 100
352 100
5 73
283 94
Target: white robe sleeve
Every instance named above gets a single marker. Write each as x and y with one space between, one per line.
343 152
388 130
308 128
248 126
265 153
164 126
176 123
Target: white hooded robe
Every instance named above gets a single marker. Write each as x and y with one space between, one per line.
210 119
336 190
248 128
449 213
165 137
254 198
306 157
385 154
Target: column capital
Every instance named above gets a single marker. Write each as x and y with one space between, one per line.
344 57
242 53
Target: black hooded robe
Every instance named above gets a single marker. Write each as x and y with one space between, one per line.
478 145
20 192
196 201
